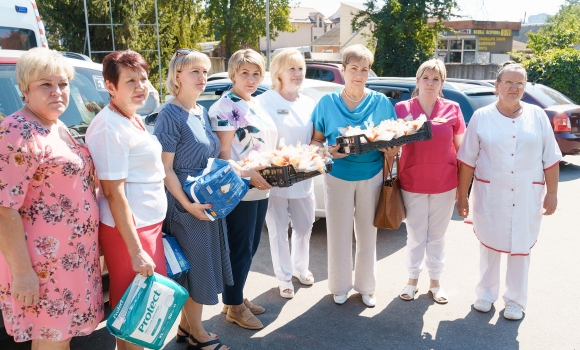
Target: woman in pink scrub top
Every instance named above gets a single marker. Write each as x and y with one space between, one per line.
428 175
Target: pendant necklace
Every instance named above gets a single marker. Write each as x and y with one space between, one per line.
512 113
133 120
351 100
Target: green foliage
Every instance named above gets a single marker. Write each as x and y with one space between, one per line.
558 69
241 23
402 35
182 24
562 31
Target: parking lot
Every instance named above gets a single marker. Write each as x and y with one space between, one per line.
312 320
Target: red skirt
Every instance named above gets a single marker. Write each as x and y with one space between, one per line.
118 261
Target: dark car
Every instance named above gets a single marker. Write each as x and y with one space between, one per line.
327 71
470 97
564 113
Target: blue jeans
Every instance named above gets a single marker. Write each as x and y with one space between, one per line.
244 224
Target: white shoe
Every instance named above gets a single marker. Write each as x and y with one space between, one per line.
306 279
513 312
482 305
285 286
369 300
340 298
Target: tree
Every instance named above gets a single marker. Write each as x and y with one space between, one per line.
401 36
239 23
553 62
562 31
182 24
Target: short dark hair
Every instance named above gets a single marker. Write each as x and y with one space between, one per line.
113 63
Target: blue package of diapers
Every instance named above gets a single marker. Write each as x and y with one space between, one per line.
147 311
218 185
175 261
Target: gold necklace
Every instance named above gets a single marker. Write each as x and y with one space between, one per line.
353 101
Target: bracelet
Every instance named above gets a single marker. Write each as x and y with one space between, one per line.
315 140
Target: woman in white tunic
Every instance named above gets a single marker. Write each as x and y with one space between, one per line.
510 148
291 112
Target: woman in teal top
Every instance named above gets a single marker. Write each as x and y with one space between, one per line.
353 186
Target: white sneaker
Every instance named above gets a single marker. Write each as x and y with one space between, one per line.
482 305
513 312
369 300
340 298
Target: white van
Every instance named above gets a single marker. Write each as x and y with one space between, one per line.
20 25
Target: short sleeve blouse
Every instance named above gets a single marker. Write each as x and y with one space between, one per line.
254 130
121 151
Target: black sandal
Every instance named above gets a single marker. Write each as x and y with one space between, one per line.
200 346
181 338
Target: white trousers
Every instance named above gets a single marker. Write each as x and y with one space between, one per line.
345 200
516 280
428 217
301 211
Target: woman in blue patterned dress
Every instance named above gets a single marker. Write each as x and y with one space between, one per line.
183 129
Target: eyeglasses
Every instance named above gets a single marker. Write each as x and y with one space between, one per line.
184 52
509 84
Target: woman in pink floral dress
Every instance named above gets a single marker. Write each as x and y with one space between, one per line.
50 281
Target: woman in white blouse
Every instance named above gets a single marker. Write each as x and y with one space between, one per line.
510 150
291 112
127 159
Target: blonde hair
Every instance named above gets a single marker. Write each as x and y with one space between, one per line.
356 53
433 64
510 66
180 63
38 63
244 56
283 61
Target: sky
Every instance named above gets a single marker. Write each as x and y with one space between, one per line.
481 10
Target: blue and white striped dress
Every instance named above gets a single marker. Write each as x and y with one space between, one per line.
204 243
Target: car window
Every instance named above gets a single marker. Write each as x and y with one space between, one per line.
312 73
17 39
85 101
394 95
326 75
208 98
548 96
481 100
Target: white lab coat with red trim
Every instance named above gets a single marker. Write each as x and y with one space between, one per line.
509 157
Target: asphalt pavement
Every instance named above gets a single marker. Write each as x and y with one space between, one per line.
311 319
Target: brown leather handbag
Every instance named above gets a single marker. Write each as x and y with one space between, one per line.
390 210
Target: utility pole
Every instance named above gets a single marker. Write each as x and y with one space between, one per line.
268 35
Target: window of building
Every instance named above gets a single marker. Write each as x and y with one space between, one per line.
457 50
319 22
315 37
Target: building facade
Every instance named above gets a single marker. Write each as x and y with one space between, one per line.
480 42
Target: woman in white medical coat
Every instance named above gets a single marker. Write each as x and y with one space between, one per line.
510 150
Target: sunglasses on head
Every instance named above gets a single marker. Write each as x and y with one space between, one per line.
184 52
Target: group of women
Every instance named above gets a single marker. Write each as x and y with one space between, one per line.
61 201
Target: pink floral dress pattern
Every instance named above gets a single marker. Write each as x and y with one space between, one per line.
52 186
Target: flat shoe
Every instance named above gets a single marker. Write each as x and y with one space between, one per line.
254 308
482 305
438 294
369 300
306 279
199 346
340 298
285 286
513 312
245 320
410 291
